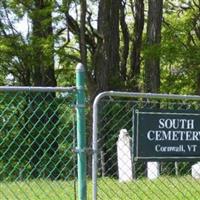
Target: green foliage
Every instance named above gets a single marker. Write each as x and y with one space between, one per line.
180 52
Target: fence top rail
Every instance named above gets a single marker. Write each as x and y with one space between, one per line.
36 89
146 95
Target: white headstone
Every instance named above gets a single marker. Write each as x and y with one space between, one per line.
124 156
153 170
196 170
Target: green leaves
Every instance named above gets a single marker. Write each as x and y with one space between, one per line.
180 51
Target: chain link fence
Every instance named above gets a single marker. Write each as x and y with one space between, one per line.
172 180
37 138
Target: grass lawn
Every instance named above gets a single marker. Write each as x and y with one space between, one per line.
169 188
37 190
164 188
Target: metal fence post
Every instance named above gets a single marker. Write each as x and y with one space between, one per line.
81 137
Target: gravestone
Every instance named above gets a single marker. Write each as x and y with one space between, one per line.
124 156
153 170
196 170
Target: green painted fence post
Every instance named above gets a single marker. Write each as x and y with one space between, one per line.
81 136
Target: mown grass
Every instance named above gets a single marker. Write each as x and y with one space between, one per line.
169 188
37 190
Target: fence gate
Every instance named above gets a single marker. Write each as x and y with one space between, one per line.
160 146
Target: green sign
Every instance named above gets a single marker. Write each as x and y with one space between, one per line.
162 135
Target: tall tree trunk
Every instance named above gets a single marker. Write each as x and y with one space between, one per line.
106 59
125 39
137 43
152 60
83 49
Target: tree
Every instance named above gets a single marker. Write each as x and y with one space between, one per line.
180 48
152 60
83 48
106 59
42 43
137 43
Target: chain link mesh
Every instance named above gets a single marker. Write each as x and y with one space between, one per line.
37 137
175 180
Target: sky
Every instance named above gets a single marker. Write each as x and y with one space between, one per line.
23 25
